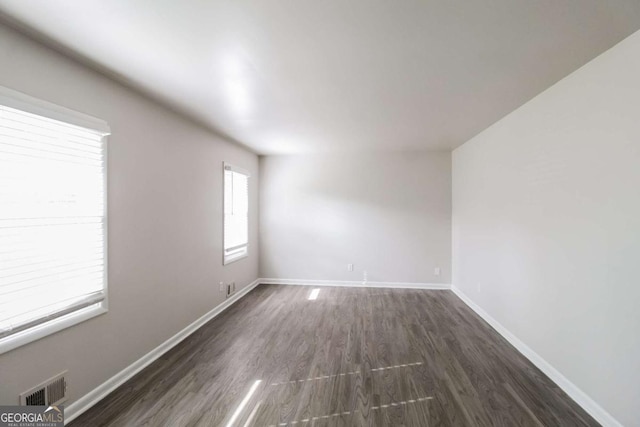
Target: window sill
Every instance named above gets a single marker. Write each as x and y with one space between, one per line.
17 340
233 258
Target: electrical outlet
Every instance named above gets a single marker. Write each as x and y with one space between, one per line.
436 271
479 287
231 288
349 267
221 286
364 276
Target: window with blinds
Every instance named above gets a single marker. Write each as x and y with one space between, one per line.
52 215
236 213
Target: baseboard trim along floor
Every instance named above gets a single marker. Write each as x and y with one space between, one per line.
84 403
580 397
355 284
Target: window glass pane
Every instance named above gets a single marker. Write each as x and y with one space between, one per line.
236 210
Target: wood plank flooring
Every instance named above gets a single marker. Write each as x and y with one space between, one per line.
353 357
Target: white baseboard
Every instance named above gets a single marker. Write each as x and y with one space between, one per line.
580 397
87 401
354 284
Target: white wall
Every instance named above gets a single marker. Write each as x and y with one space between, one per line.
165 224
546 226
387 213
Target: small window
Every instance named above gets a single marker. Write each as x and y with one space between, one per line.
52 218
236 213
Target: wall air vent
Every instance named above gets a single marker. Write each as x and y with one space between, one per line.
50 392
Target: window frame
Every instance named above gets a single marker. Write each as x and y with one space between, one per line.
20 101
231 258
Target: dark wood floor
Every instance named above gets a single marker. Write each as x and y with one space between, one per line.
353 357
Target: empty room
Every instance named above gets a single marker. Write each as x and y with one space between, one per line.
319 213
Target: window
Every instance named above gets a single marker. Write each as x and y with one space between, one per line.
52 218
236 213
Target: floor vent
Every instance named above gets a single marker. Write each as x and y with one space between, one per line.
50 392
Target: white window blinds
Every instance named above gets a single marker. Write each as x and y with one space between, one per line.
236 213
52 218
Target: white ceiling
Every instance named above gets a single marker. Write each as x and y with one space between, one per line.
290 76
